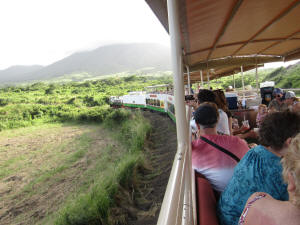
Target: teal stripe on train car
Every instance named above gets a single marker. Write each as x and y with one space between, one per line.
171 116
155 108
134 105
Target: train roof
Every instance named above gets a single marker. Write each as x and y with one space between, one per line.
159 86
217 34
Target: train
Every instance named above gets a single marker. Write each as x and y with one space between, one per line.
159 102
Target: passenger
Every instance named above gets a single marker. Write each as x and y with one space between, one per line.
214 164
262 209
222 104
260 169
290 99
208 96
272 109
262 112
296 107
278 102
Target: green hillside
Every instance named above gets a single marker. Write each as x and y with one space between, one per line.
284 78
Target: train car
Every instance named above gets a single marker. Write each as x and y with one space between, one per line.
134 99
152 99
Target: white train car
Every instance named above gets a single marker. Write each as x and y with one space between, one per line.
134 99
158 102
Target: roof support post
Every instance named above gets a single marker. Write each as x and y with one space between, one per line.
242 73
172 207
256 75
208 82
189 79
233 81
201 75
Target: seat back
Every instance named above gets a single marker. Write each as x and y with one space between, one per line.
206 201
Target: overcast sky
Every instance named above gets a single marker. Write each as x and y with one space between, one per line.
44 31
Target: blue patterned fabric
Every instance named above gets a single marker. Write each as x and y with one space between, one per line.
258 171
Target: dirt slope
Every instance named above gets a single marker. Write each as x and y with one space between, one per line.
161 150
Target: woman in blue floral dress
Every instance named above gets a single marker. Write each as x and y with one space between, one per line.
260 169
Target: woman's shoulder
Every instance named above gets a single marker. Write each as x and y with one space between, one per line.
259 195
262 158
257 209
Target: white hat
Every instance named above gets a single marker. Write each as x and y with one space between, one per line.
290 94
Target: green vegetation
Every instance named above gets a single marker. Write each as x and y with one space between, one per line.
65 153
94 207
38 103
249 79
284 78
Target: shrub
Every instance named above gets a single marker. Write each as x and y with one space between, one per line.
3 102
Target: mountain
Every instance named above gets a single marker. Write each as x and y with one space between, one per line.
14 73
104 60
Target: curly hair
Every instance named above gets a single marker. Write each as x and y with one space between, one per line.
277 127
205 95
291 164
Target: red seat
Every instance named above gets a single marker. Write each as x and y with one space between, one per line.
206 201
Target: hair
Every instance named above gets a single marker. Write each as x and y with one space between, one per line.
207 115
221 100
277 127
262 106
291 164
205 95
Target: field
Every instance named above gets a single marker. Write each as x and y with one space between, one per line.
51 162
65 155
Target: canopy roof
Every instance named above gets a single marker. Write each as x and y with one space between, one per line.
226 33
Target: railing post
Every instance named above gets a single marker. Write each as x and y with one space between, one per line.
171 209
177 67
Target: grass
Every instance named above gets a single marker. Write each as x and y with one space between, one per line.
94 206
70 173
63 161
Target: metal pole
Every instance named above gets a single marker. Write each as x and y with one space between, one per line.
208 82
243 82
201 78
256 74
189 79
233 81
172 203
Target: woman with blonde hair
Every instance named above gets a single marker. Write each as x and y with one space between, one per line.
261 208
